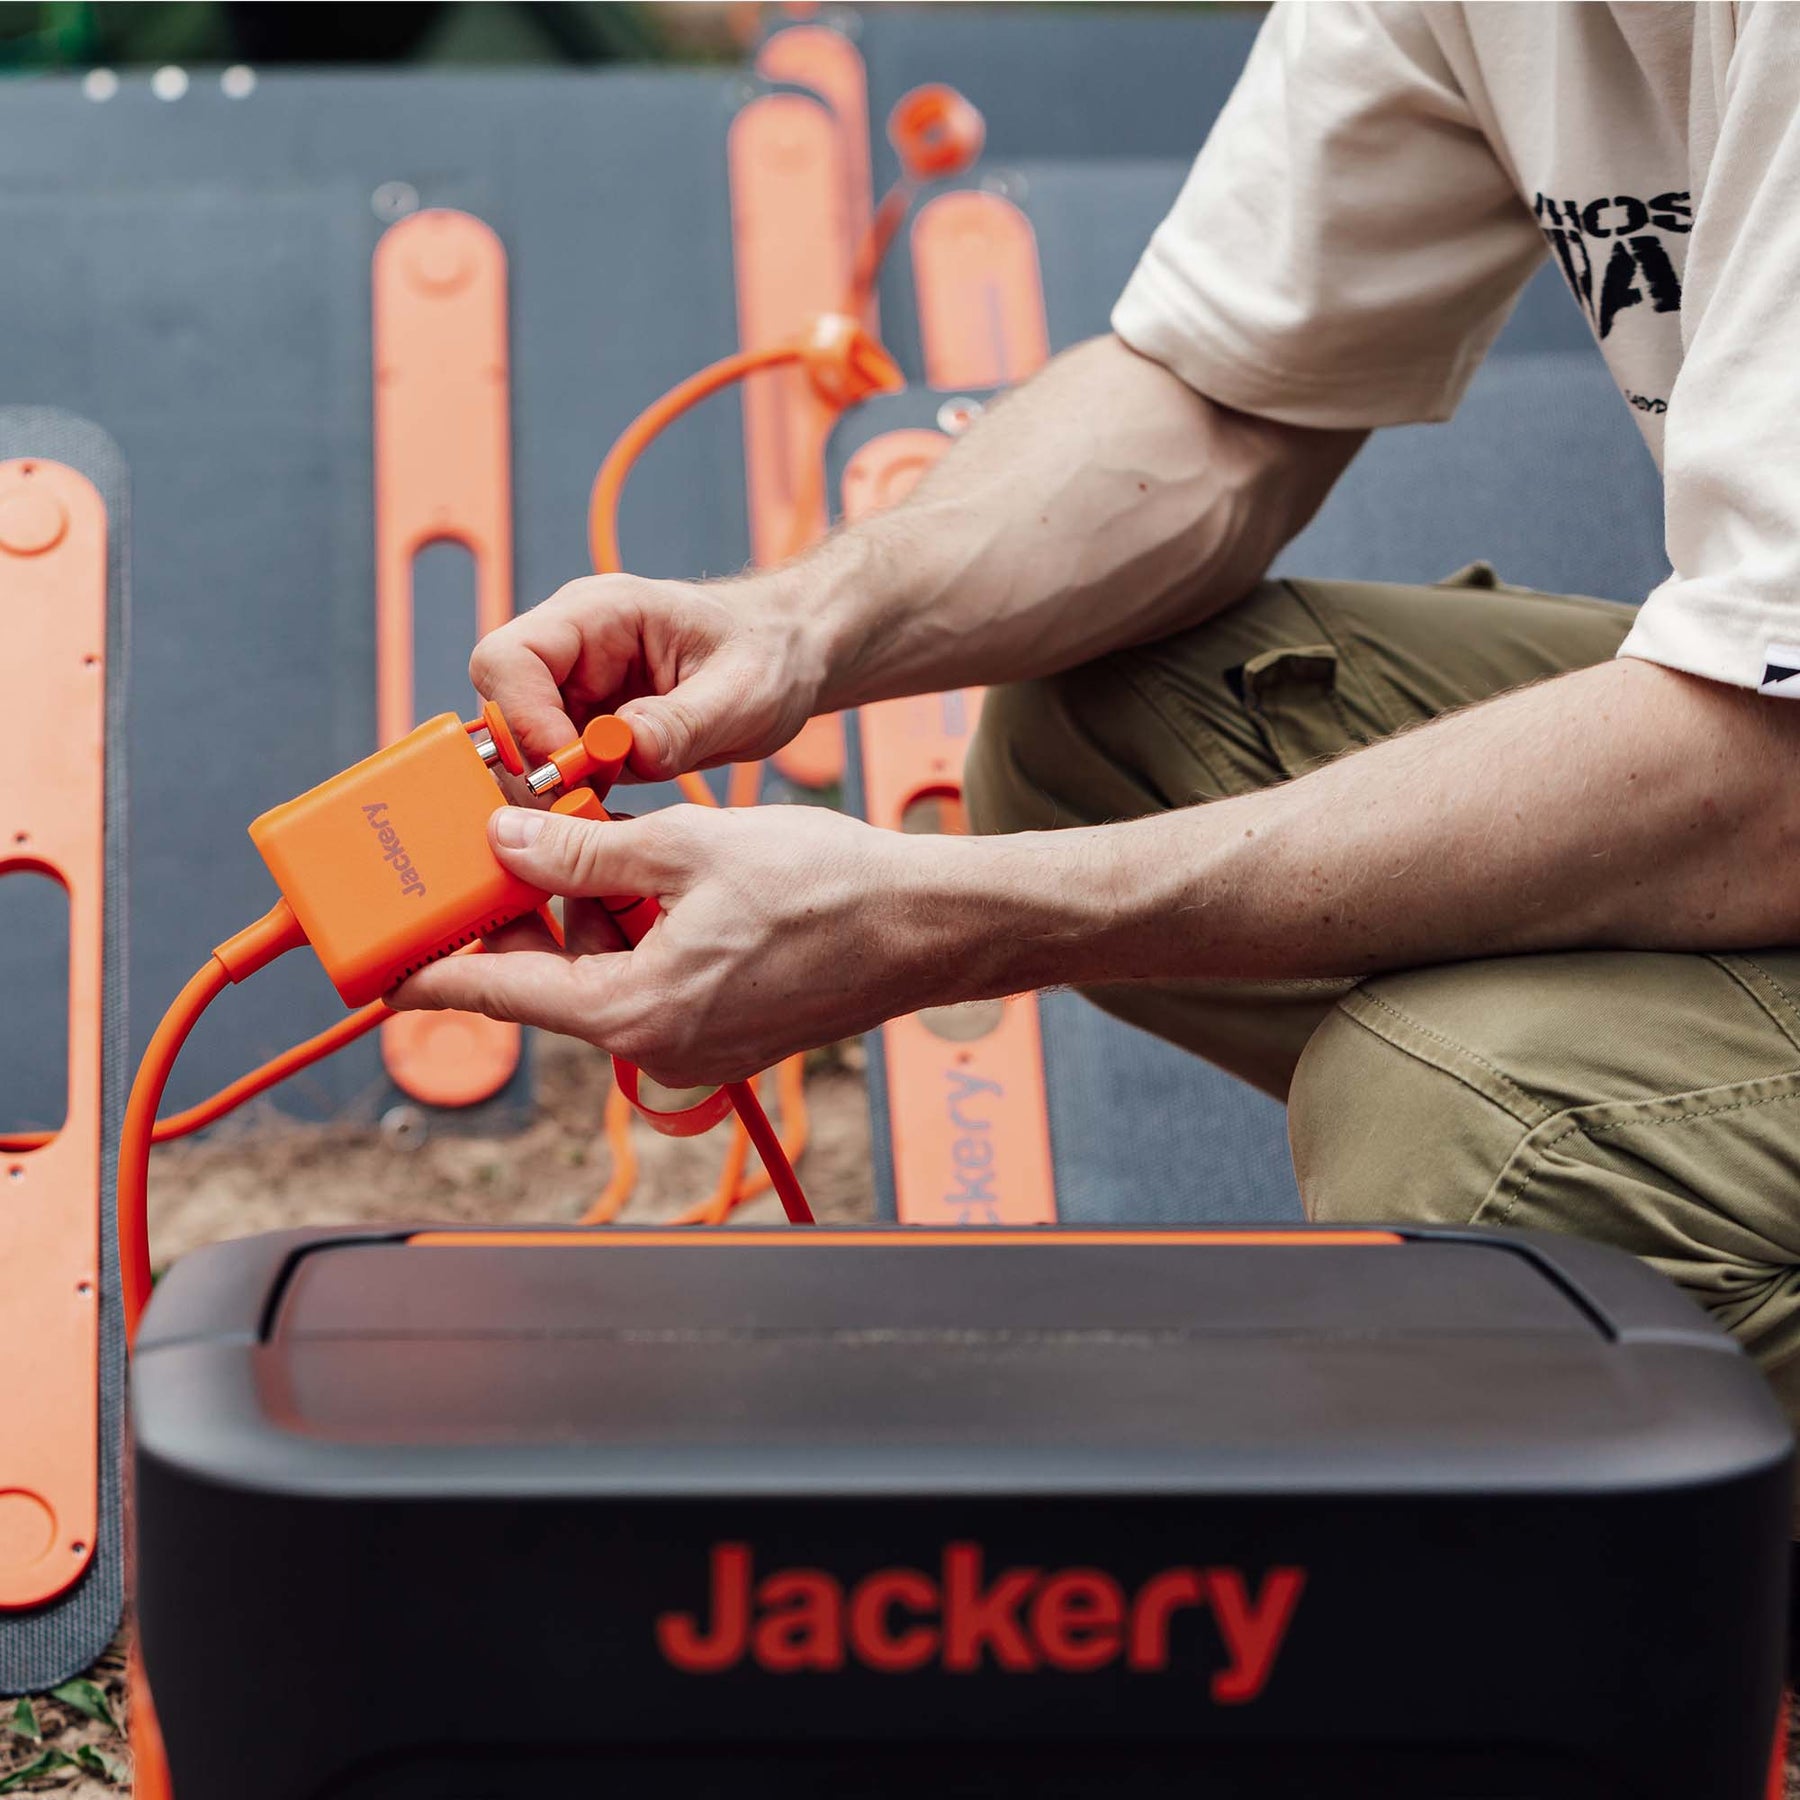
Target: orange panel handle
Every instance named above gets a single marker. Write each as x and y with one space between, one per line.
981 302
53 547
969 1120
443 473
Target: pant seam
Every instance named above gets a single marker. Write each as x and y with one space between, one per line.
1528 1111
1687 1116
1734 966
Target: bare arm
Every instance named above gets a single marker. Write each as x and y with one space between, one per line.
1103 503
1624 805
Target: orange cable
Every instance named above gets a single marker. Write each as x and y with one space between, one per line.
717 1207
624 1169
272 1073
276 932
743 783
877 240
790 1092
609 483
140 1123
768 1147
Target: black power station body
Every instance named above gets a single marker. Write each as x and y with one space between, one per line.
477 1516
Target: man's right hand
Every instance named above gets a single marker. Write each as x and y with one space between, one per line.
706 674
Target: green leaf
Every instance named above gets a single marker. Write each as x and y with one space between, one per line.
97 1762
42 1765
24 1722
86 1698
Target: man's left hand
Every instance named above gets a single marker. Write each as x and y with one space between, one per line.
782 928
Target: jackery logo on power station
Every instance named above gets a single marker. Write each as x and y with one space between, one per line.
960 1619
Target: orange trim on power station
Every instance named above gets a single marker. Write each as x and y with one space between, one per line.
981 301
910 1240
53 543
443 474
967 1117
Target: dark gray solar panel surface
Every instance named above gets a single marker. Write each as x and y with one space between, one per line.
195 277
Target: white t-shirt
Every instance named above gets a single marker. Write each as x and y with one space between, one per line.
1385 179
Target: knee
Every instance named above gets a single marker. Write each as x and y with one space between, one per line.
1380 1136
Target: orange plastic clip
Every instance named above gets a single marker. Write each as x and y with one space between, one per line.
53 536
935 132
442 474
968 1117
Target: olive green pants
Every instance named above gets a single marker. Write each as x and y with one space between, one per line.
1648 1101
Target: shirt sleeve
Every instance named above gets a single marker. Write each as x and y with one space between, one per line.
1348 244
1731 444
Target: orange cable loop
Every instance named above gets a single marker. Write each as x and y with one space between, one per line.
636 438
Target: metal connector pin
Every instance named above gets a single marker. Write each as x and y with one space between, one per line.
543 778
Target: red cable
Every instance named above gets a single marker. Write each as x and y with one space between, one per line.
768 1146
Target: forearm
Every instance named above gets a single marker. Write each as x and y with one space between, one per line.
1104 503
1621 806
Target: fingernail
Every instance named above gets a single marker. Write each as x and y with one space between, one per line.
517 828
651 728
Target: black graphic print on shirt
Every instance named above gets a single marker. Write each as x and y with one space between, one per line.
1612 252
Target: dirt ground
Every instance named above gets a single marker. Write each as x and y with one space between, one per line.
256 1172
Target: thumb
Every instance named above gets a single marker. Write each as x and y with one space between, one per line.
693 726
581 857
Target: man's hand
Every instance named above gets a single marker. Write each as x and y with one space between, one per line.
782 928
705 675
